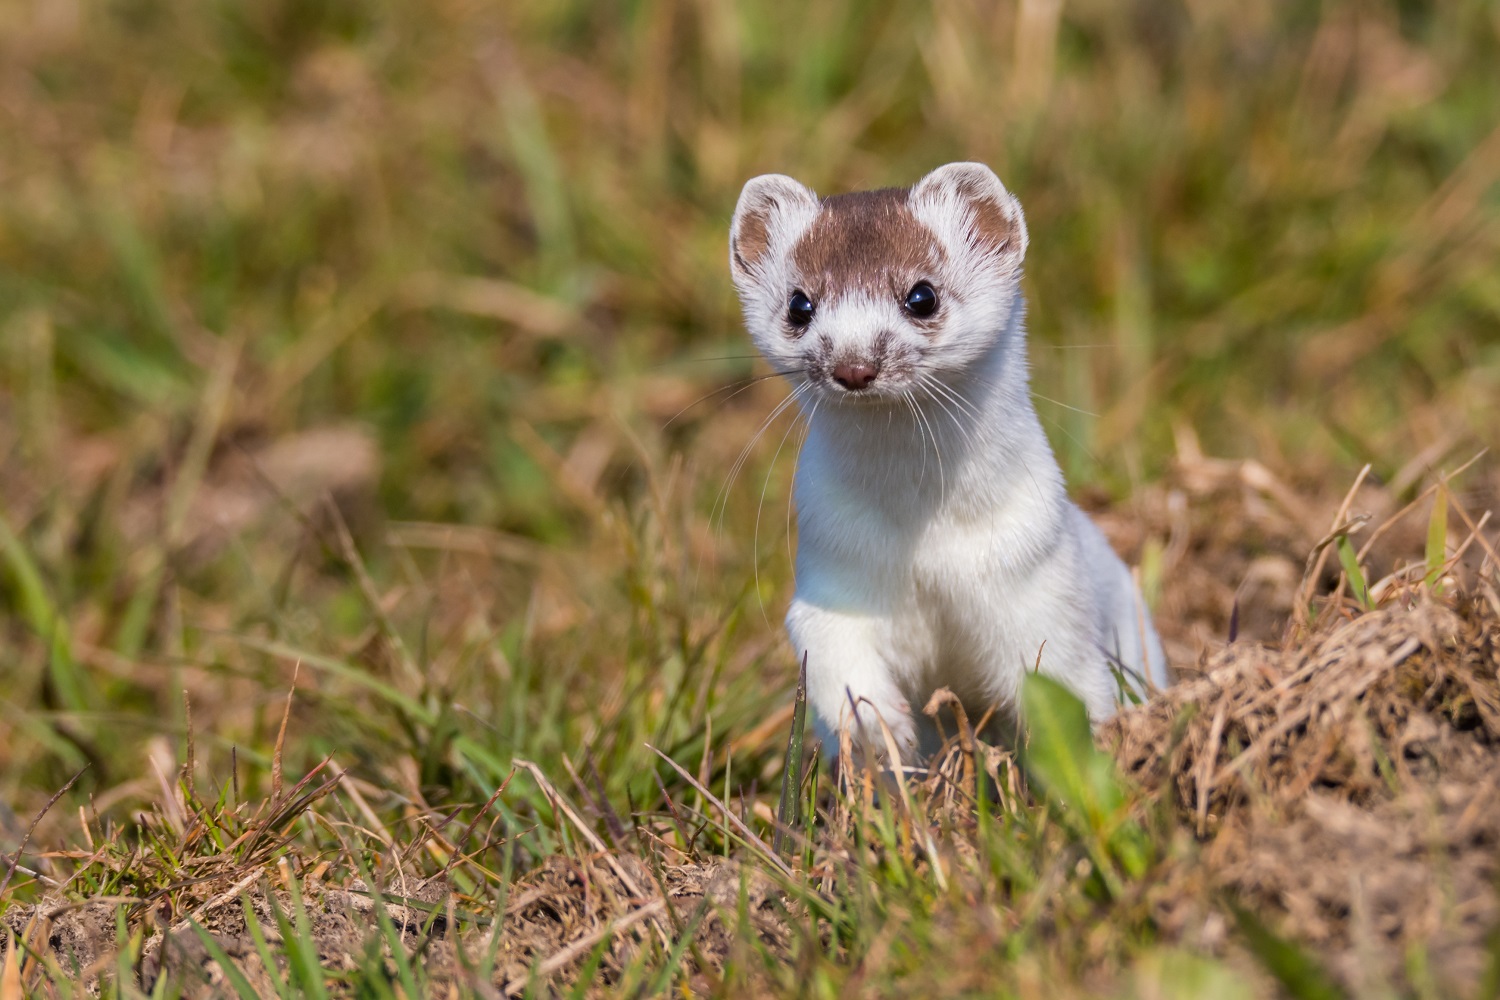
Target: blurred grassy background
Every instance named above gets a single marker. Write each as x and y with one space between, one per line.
460 265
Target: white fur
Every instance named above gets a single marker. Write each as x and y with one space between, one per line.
937 544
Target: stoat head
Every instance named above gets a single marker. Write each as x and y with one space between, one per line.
867 294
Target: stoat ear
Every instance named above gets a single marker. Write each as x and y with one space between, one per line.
976 206
772 209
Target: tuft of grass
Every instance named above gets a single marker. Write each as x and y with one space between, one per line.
1060 759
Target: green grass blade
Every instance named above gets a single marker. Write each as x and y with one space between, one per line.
345 671
291 944
1489 986
1059 744
1437 539
679 949
590 969
40 613
788 809
125 946
1061 760
232 970
262 949
388 930
1350 562
306 952
1297 971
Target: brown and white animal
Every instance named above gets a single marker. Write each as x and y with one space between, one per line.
937 544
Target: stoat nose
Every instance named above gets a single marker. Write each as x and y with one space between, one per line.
855 376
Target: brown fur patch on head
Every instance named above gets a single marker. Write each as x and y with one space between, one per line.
867 241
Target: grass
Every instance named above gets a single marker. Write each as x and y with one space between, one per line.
347 361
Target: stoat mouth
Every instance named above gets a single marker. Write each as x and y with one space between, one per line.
879 392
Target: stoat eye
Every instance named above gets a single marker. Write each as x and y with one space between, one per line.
800 309
921 301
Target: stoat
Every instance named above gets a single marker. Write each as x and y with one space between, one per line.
937 544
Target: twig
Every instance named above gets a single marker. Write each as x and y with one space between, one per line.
900 773
744 830
227 896
1388 523
561 804
558 959
377 828
286 714
1206 767
350 553
463 838
1484 542
12 863
1319 554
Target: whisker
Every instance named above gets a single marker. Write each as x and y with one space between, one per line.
790 494
960 399
1069 347
1055 423
701 361
922 473
965 433
937 451
929 384
739 462
1035 486
733 388
1073 437
755 543
1066 406
738 386
1032 389
926 386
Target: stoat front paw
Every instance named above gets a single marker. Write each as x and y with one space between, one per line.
872 736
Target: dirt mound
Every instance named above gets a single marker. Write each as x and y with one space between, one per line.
340 922
1347 790
553 922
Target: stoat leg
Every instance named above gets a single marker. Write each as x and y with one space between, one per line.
846 673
